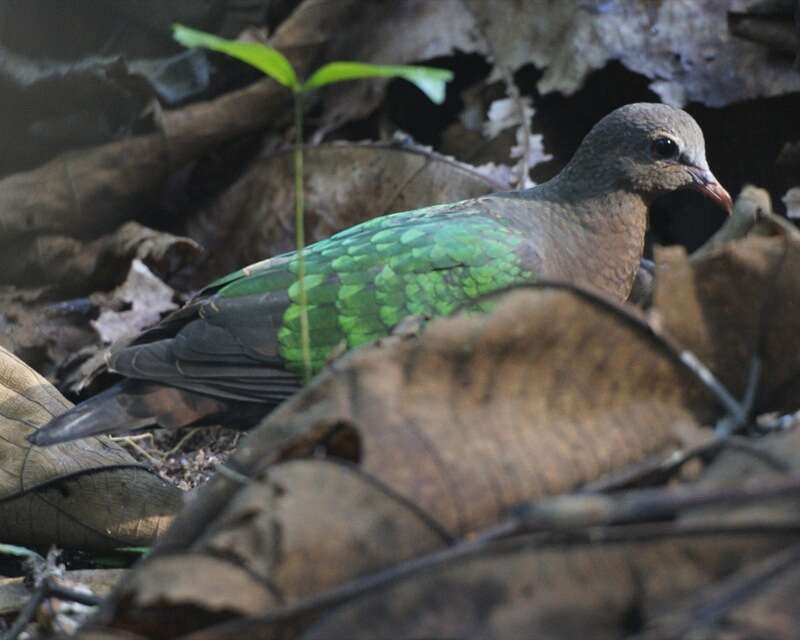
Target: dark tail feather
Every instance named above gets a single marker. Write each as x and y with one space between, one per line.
133 404
103 413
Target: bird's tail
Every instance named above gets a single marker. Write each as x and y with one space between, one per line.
131 404
103 413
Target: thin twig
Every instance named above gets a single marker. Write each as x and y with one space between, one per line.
230 473
642 505
593 536
716 601
71 595
186 437
665 466
26 615
47 589
141 436
130 441
732 406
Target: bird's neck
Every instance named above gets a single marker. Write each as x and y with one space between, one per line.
605 227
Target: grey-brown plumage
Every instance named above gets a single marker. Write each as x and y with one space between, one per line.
233 353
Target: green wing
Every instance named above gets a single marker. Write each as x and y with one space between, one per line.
364 280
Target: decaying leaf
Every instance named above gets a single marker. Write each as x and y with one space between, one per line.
89 494
684 46
771 23
614 581
361 523
345 184
467 140
737 304
529 149
73 268
147 297
64 92
263 548
792 202
752 205
771 610
758 601
42 333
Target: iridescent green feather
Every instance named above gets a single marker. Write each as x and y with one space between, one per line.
364 280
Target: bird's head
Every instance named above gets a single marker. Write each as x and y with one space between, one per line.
650 149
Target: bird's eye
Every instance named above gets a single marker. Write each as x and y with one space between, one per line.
665 148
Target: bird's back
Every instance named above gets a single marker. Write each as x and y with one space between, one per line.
240 339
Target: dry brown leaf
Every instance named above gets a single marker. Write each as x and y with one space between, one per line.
684 46
520 590
532 587
756 602
55 338
308 525
72 267
147 298
89 494
792 202
204 588
529 149
90 192
269 527
42 334
770 612
345 184
739 301
752 206
771 23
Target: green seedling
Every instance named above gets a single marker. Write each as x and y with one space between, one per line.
19 552
431 81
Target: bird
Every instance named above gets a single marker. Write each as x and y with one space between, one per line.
234 352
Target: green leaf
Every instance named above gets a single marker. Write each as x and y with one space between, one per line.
430 80
21 552
142 551
271 61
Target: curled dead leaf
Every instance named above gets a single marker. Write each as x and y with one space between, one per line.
72 267
89 494
792 202
684 47
562 586
146 298
736 304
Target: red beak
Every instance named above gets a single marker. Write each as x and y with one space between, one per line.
706 183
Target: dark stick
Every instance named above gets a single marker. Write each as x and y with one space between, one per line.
47 589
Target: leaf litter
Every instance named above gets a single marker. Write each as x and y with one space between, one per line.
390 487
